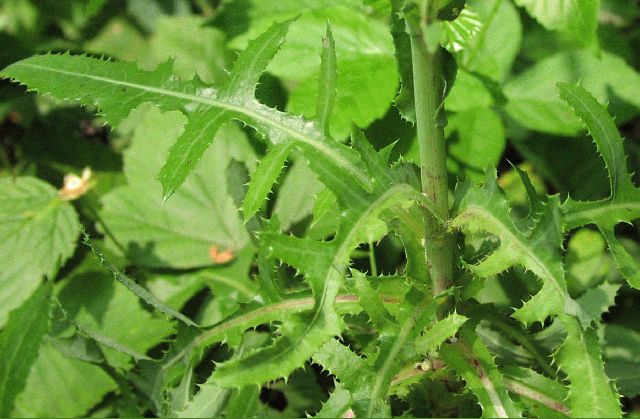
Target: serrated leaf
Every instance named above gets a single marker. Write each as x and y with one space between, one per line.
492 50
471 360
578 18
337 405
542 396
38 233
460 32
533 95
180 232
136 288
597 300
117 88
396 349
263 179
19 344
364 56
323 264
623 204
538 249
326 82
404 101
439 332
591 393
351 371
372 303
84 386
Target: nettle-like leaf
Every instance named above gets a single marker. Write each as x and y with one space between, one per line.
180 232
591 393
19 344
34 221
471 360
578 18
538 249
623 204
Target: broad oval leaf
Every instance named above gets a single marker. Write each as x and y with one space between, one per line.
38 233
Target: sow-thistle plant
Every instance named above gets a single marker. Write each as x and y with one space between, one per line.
433 346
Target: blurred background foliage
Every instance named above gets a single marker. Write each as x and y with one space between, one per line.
503 111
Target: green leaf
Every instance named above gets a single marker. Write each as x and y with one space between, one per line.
590 391
439 332
396 349
197 49
296 194
492 50
471 360
136 288
480 140
353 374
264 178
372 303
180 232
578 18
326 82
119 87
597 300
541 396
533 96
38 233
19 344
538 249
404 101
364 57
323 264
621 351
337 405
459 33
62 387
623 204
109 313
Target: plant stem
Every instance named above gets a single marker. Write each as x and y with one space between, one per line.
427 79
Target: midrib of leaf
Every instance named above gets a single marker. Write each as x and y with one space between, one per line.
601 208
265 314
400 341
616 174
523 390
483 375
335 270
522 246
265 115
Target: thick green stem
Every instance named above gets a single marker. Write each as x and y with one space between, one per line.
428 82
